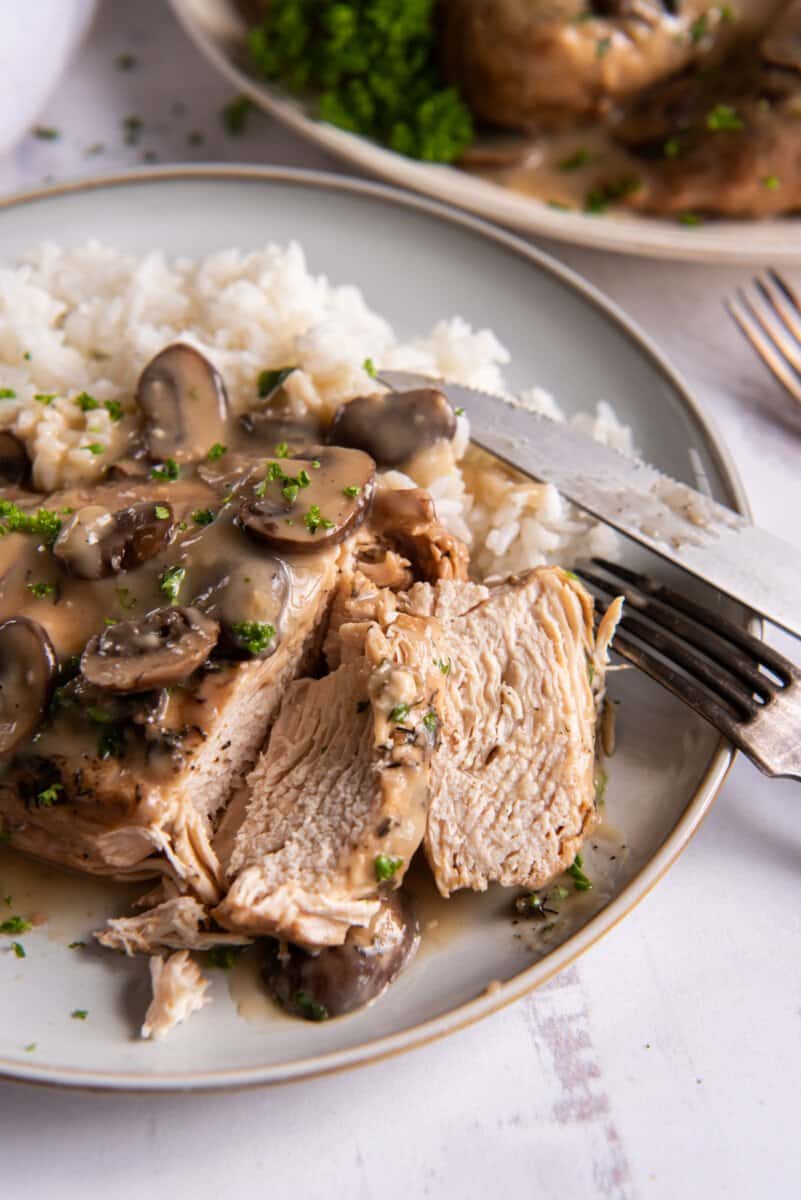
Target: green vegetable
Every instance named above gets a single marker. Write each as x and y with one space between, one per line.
86 403
46 133
45 398
444 665
114 409
124 597
385 867
131 130
431 722
690 218
313 520
18 949
603 46
40 590
94 448
580 158
79 1014
772 183
203 516
309 1008
7 394
111 743
672 148
167 472
76 945
351 492
44 523
598 199
222 957
724 119
15 925
399 712
373 66
269 380
282 450
255 636
580 880
369 366
699 28
29 1049
216 451
235 115
49 796
170 582
161 512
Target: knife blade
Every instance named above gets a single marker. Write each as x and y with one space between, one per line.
681 525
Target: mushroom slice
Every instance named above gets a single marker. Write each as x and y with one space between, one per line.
15 466
185 404
392 427
252 603
27 672
272 427
340 979
96 543
304 504
163 648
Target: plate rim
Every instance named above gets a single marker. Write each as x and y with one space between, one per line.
639 886
726 243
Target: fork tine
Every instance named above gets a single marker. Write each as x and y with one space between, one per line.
712 622
705 702
789 292
717 679
790 349
766 351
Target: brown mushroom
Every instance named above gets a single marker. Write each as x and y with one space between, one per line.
96 543
393 427
27 673
304 504
272 427
15 466
162 648
340 979
185 405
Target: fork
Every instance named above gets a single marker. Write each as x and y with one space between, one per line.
744 688
771 322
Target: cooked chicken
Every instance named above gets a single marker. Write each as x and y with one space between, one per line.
174 924
179 989
534 64
512 787
726 141
338 800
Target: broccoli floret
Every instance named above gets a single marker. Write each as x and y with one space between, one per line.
372 64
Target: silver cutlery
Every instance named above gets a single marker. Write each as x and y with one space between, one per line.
770 318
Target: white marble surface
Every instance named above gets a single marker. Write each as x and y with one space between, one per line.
667 1062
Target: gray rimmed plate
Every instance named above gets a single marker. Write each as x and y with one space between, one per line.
416 262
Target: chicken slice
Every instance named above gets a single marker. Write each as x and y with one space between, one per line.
174 924
179 989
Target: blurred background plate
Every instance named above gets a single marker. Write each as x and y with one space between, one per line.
218 28
416 263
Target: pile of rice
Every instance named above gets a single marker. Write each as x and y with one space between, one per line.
87 320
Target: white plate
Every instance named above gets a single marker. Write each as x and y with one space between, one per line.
218 29
416 263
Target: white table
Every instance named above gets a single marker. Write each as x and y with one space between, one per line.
667 1063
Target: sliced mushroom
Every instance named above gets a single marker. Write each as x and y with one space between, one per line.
253 597
340 979
272 427
304 504
15 466
185 405
394 426
96 543
162 648
27 673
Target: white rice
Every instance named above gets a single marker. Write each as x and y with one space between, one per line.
89 319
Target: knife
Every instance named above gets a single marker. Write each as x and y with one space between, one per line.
683 526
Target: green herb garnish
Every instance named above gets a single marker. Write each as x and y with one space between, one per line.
690 218
369 367
222 957
94 448
269 380
126 600
309 1008
203 516
162 513
49 796
216 451
14 925
7 394
111 743
444 665
282 450
41 590
114 409
771 183
399 712
170 582
18 949
131 130
603 46
580 880
385 867
313 520
46 133
254 636
79 1014
44 523
672 148
579 158
45 398
235 115
351 492
699 28
431 722
76 946
723 118
86 403
167 472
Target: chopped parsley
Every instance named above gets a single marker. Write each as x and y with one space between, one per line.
79 1014
235 115
170 582
269 380
222 957
309 1009
49 796
45 398
386 866
18 949
254 636
699 28
203 516
690 218
44 523
86 403
41 590
458 412
29 1049
125 599
131 130
14 925
579 158
114 409
76 946
216 451
576 872
771 183
282 450
431 722
290 492
167 472
603 46
46 133
351 492
399 712
94 448
7 394
444 665
111 743
672 148
126 61
368 366
313 519
723 118
598 199
162 512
